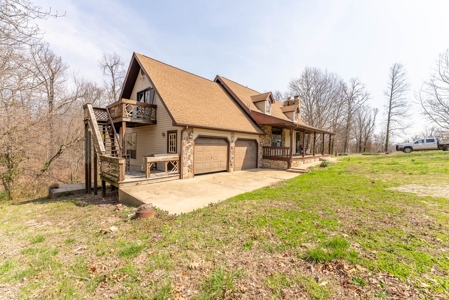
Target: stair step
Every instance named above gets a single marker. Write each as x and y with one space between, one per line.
297 170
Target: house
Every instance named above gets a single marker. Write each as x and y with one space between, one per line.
172 124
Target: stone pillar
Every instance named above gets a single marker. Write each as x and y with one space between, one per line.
187 153
231 152
264 140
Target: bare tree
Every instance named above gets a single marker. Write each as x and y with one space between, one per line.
278 95
113 67
321 98
365 122
397 105
354 97
17 22
434 94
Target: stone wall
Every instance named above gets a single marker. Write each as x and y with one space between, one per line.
274 164
231 152
187 153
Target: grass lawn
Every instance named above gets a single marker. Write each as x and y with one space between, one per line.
368 227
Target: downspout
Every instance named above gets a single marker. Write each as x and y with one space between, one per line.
180 153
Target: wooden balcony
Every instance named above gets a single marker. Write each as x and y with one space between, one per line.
133 112
276 153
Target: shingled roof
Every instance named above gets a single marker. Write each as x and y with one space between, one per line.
193 100
246 97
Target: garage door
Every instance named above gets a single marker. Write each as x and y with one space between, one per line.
245 155
211 155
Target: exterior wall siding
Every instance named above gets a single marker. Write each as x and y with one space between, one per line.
150 139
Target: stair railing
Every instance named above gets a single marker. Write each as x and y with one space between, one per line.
116 136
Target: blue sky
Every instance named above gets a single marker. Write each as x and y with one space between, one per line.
261 44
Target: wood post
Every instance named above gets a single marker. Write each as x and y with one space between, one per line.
291 149
314 142
103 188
95 173
89 162
123 138
322 149
86 154
302 143
330 142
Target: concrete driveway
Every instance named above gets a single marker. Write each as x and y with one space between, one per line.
182 196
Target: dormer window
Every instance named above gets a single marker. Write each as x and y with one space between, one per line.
295 116
268 107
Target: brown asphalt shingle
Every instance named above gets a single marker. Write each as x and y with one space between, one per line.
247 96
195 101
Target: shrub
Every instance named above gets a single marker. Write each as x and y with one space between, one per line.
324 164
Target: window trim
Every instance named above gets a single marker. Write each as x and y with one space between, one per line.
176 141
281 143
268 105
151 95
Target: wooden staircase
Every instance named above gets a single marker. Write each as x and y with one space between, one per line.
104 135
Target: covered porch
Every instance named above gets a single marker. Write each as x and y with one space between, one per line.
287 146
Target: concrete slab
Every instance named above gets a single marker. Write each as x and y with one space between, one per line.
182 196
69 189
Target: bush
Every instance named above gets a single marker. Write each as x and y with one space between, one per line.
324 164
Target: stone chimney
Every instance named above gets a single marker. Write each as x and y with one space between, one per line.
296 100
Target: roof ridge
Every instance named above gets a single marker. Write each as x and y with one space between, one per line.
240 84
175 67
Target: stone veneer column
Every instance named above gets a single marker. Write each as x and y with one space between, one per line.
264 140
187 153
231 152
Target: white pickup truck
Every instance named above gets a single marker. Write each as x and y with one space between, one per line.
429 143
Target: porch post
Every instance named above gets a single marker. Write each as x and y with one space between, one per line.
302 143
95 173
86 155
291 148
89 162
123 138
314 141
103 188
322 149
330 140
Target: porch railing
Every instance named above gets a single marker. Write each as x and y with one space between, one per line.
133 111
112 168
171 163
276 153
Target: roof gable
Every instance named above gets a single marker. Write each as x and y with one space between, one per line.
191 100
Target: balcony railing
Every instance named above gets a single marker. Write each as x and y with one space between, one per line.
133 111
276 153
112 168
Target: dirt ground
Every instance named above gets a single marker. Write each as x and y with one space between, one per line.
433 190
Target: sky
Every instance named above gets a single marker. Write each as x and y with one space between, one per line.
260 44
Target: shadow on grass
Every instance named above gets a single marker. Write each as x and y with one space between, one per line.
78 199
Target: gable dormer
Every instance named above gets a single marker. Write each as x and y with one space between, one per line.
263 102
292 109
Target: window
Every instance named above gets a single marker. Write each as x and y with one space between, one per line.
419 142
131 144
276 137
268 107
146 96
172 141
295 116
430 140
